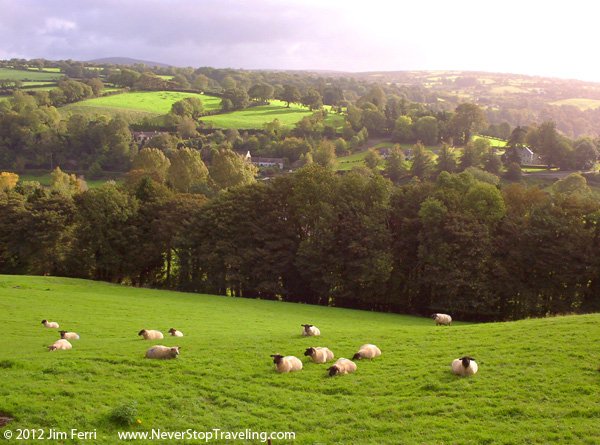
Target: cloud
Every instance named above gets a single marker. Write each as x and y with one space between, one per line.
352 35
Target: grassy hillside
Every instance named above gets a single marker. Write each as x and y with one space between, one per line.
150 103
8 73
538 379
581 103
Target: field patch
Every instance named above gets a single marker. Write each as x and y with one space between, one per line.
12 74
582 104
153 102
531 372
256 117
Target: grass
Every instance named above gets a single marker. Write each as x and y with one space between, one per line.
537 382
256 117
45 179
345 163
12 74
153 102
494 142
581 103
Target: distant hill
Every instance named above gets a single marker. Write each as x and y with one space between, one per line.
127 61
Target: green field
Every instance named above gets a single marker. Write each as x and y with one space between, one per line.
357 159
494 142
11 74
582 104
153 102
45 179
537 383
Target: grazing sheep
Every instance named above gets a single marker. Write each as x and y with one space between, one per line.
288 363
69 335
442 319
319 355
367 351
310 330
150 334
341 367
50 324
162 352
60 344
175 333
464 366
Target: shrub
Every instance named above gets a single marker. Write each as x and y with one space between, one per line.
125 414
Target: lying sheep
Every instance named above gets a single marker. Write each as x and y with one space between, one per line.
288 363
310 330
60 344
442 319
50 324
367 351
319 355
69 335
150 334
175 333
341 367
162 352
464 366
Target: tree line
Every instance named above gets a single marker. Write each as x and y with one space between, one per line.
456 243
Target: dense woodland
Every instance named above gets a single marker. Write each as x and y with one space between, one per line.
414 236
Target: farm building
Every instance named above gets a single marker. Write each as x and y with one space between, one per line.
141 137
265 162
528 157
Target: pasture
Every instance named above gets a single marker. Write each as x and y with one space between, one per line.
494 142
151 102
34 76
45 179
256 117
581 103
537 382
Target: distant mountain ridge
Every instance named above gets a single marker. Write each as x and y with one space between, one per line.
127 61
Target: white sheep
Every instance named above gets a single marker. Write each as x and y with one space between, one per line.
341 367
442 319
310 330
175 333
162 352
150 334
288 363
50 324
367 351
319 354
69 335
464 366
60 344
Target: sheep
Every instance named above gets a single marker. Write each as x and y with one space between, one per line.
175 333
310 330
464 366
341 367
319 355
60 344
69 335
150 334
162 352
367 351
288 363
50 324
442 319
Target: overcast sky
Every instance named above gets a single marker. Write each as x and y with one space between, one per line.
529 37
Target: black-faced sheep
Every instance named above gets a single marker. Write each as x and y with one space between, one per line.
50 324
310 330
367 351
341 367
442 319
60 344
175 333
69 335
319 354
150 334
162 352
288 363
464 366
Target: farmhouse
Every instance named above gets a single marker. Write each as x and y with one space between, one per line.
265 162
141 137
528 157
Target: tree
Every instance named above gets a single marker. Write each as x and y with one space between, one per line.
66 184
468 119
191 107
290 94
8 181
229 169
513 172
324 155
312 99
261 91
446 161
186 128
374 121
395 166
238 97
585 154
422 162
426 130
470 157
187 172
153 163
373 159
403 130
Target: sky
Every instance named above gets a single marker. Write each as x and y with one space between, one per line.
556 38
